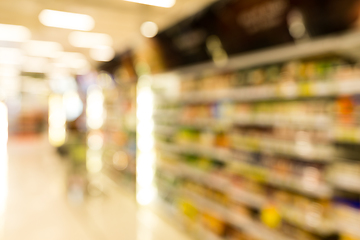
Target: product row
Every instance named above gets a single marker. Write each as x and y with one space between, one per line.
194 189
293 71
271 151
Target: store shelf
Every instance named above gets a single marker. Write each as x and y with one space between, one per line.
250 226
319 153
197 230
205 234
321 228
241 94
342 42
243 223
347 134
221 154
206 123
206 204
198 123
323 152
166 114
303 150
200 176
247 198
281 91
349 227
346 182
309 188
165 130
257 201
254 229
319 122
316 104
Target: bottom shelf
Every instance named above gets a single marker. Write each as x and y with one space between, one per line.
234 227
194 230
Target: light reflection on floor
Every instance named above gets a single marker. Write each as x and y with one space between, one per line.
38 209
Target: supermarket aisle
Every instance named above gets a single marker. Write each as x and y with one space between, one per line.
38 209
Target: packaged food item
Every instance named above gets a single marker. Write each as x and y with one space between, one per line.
345 111
188 209
272 74
256 77
234 233
214 224
271 216
222 140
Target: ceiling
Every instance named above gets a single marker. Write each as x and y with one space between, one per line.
118 18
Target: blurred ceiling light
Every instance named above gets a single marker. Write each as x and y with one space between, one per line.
11 56
35 65
43 49
14 33
72 60
67 20
156 3
89 39
61 83
102 53
149 29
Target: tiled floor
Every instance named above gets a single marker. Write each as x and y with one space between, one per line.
38 209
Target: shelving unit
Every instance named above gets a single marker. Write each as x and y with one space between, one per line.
120 135
261 160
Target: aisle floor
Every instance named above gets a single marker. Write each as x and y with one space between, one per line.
38 209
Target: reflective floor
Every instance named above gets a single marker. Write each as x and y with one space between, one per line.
38 208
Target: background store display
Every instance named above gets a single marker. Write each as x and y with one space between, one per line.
263 150
27 113
119 130
73 149
267 151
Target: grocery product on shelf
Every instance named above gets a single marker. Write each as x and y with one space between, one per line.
264 153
